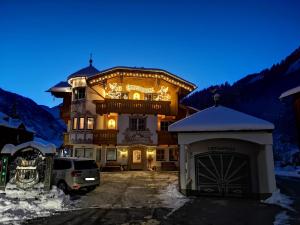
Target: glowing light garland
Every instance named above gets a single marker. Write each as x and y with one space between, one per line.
131 87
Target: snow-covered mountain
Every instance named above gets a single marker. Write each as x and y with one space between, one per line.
33 116
258 95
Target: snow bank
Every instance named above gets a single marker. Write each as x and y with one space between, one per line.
280 199
288 171
172 198
281 218
17 205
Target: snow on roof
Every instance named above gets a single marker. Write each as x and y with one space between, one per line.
290 92
9 122
220 118
62 86
45 149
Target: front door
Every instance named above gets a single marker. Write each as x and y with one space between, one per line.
137 159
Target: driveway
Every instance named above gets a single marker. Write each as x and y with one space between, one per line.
151 198
136 189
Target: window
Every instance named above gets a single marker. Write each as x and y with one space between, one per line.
79 93
136 96
75 123
111 154
90 123
111 124
164 125
151 96
84 153
79 152
81 123
137 124
85 165
160 155
173 154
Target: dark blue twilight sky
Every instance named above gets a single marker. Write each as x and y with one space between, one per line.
206 42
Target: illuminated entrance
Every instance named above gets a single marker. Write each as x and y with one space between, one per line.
137 158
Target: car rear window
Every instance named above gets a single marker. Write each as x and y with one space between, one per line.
85 164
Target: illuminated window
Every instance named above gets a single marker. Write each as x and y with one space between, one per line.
75 123
111 124
90 123
81 123
136 96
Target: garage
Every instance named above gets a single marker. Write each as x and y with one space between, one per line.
222 173
225 153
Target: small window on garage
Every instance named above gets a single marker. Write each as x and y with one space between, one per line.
160 155
173 154
111 154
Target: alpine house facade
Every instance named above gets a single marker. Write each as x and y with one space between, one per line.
120 116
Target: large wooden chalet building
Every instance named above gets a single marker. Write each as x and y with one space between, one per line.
120 116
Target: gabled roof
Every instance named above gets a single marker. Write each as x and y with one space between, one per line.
290 92
120 70
85 72
220 118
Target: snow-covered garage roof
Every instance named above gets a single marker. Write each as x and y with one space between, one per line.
290 92
220 118
45 149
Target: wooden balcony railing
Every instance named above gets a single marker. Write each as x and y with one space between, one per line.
166 138
105 137
132 106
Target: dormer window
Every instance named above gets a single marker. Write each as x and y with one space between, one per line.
78 93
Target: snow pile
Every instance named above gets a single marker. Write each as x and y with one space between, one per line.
280 199
288 171
172 198
281 218
17 205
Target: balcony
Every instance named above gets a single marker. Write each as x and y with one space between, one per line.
166 138
105 137
132 106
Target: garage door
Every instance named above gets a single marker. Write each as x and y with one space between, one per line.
222 174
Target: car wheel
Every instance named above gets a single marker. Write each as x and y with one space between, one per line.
63 186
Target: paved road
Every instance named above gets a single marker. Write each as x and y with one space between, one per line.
199 211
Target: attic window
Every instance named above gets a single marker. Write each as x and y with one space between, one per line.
78 93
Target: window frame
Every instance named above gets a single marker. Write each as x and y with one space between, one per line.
81 95
87 123
116 156
79 125
136 126
176 156
164 155
75 119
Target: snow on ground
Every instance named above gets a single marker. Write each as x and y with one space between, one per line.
17 205
288 171
281 218
280 199
172 198
284 201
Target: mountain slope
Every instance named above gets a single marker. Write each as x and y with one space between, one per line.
33 116
258 95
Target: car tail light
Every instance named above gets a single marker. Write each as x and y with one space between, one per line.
76 173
